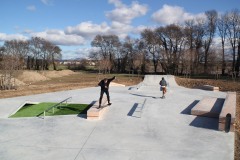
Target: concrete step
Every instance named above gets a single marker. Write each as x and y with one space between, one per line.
94 112
208 107
210 88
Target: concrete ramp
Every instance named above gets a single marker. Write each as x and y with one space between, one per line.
153 80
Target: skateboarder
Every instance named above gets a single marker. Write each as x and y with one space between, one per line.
163 85
104 84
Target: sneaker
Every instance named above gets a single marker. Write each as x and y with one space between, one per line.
99 107
109 104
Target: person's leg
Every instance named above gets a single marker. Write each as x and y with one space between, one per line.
100 99
164 91
108 97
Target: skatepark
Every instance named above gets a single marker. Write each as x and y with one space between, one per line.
139 125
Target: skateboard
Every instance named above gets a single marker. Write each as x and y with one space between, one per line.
103 106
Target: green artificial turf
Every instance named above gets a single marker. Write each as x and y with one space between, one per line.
33 110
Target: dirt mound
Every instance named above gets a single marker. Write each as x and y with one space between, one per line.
17 82
56 74
31 76
13 81
36 76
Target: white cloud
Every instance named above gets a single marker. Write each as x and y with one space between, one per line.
88 29
173 14
58 37
117 3
120 25
27 31
31 8
120 29
139 29
8 37
47 2
125 14
78 53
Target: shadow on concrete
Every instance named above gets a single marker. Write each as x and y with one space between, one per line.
189 108
132 110
217 107
141 95
83 114
205 122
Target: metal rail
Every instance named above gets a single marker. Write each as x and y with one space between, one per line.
55 105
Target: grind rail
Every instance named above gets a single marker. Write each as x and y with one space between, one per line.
54 106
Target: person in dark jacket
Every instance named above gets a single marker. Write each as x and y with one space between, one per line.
104 84
163 85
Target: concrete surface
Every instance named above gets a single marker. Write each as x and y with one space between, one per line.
138 126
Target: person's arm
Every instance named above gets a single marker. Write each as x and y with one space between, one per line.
109 80
100 83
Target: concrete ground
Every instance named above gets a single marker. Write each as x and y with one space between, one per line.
139 125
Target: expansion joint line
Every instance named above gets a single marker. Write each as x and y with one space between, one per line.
85 142
143 105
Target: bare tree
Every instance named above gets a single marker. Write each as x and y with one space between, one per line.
36 44
189 34
50 53
233 19
109 46
8 67
209 35
198 43
222 30
42 54
19 49
172 40
142 55
152 45
132 55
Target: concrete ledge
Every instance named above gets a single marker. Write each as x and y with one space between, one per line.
94 112
208 107
117 84
209 88
229 107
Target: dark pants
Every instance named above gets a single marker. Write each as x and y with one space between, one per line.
101 95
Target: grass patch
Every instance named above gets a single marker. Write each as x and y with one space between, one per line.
33 110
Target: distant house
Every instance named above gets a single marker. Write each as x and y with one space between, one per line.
67 62
78 62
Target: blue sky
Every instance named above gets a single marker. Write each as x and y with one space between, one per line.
72 24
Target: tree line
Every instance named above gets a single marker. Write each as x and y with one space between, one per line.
34 54
176 49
